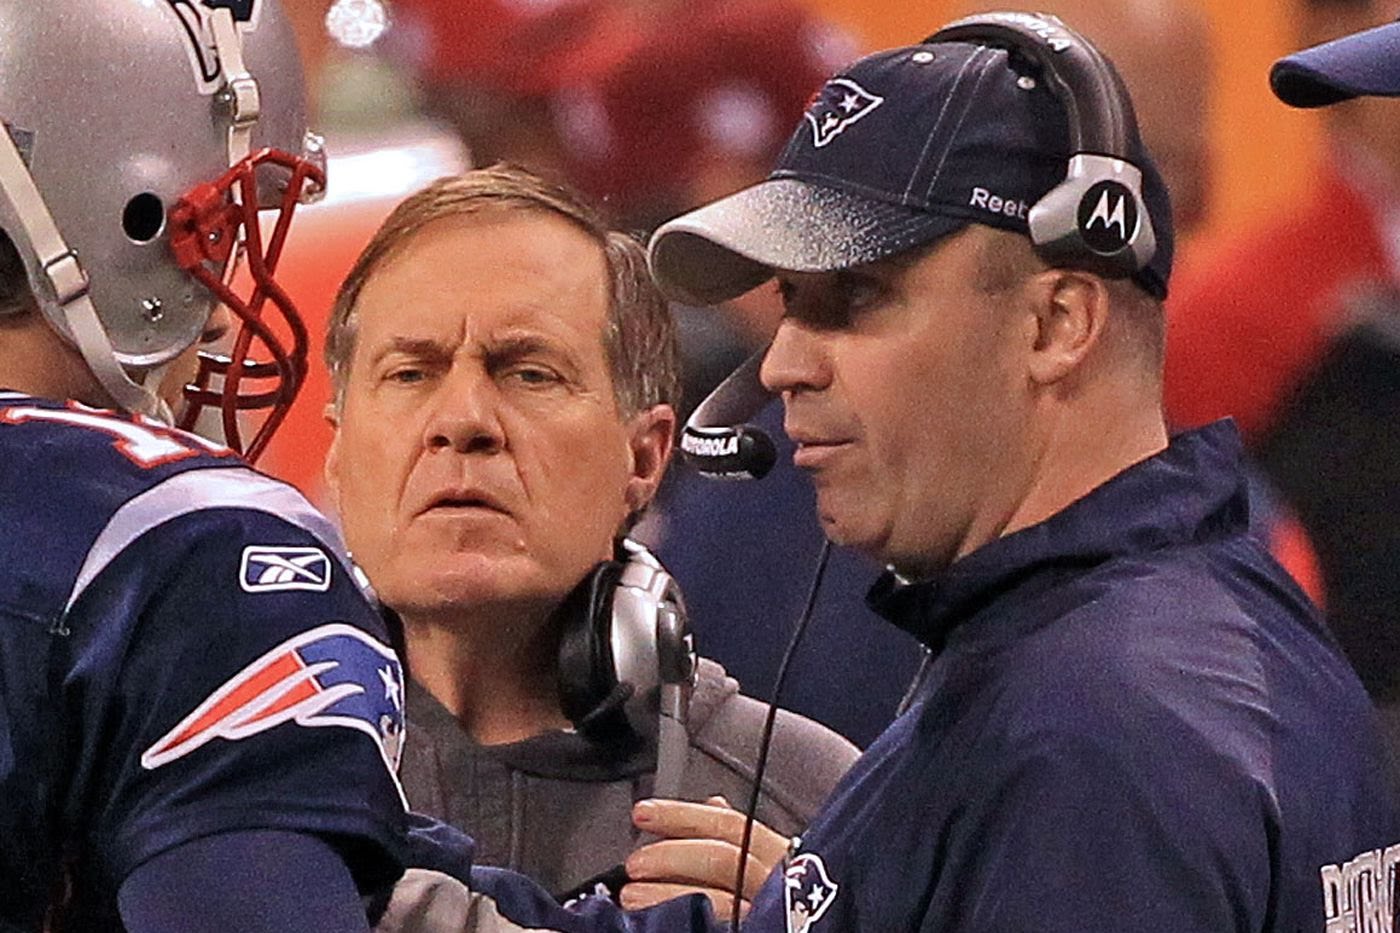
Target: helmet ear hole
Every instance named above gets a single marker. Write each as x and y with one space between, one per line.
143 219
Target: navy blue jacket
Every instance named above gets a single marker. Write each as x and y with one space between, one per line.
1134 722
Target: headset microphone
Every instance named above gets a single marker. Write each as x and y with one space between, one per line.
716 440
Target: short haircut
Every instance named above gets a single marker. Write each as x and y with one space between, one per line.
16 297
640 337
1137 321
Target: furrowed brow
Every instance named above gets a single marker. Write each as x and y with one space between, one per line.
424 348
507 348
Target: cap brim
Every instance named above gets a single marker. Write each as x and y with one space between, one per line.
1363 63
724 249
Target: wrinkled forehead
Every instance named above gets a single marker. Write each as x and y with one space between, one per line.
488 329
483 328
494 269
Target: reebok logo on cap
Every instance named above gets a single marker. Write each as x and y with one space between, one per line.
1011 207
840 103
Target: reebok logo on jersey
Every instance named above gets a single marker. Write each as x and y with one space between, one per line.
807 892
332 675
273 569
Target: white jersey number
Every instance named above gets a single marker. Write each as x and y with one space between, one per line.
145 442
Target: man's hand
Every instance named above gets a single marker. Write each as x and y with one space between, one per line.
699 851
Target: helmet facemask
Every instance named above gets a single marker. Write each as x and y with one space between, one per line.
213 230
106 193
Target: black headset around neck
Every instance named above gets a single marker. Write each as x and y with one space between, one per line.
627 658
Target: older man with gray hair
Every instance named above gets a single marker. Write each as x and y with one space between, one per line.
505 375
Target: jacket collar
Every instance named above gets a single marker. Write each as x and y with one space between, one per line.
1191 492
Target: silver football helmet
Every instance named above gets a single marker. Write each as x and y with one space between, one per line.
143 138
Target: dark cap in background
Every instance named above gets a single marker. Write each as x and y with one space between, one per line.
904 147
1363 63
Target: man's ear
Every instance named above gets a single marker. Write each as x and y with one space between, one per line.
330 470
1071 311
651 437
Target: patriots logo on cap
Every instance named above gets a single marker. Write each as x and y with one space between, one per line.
332 675
840 103
807 891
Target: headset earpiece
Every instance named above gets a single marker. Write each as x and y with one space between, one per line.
587 676
1097 218
624 636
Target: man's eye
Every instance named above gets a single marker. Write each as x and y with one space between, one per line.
406 376
532 375
860 292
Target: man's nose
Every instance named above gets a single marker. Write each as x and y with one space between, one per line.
464 417
795 360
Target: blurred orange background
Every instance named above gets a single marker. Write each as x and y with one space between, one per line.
1263 150
1262 154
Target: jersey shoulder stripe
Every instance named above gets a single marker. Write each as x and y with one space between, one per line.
199 490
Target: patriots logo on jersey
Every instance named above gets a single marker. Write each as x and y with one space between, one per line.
196 18
274 569
333 675
840 103
807 891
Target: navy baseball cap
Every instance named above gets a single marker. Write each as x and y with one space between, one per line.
903 147
1363 63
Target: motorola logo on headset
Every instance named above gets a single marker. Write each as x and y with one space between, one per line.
698 446
1108 217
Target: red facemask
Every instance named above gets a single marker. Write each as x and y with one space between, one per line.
205 237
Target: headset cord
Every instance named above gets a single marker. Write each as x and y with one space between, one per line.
767 737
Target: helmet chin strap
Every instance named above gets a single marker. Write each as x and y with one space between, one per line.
240 92
60 284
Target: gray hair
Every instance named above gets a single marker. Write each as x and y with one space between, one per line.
640 337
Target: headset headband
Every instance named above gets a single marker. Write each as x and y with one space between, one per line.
1097 218
1100 111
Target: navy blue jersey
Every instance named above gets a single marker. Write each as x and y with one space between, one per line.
184 651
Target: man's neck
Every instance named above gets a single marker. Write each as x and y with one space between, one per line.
500 687
36 361
1079 453
1076 440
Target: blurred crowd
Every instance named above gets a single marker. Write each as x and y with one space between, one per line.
655 106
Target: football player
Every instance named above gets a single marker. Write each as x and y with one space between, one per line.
199 714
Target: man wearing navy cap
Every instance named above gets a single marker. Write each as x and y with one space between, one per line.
1132 720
